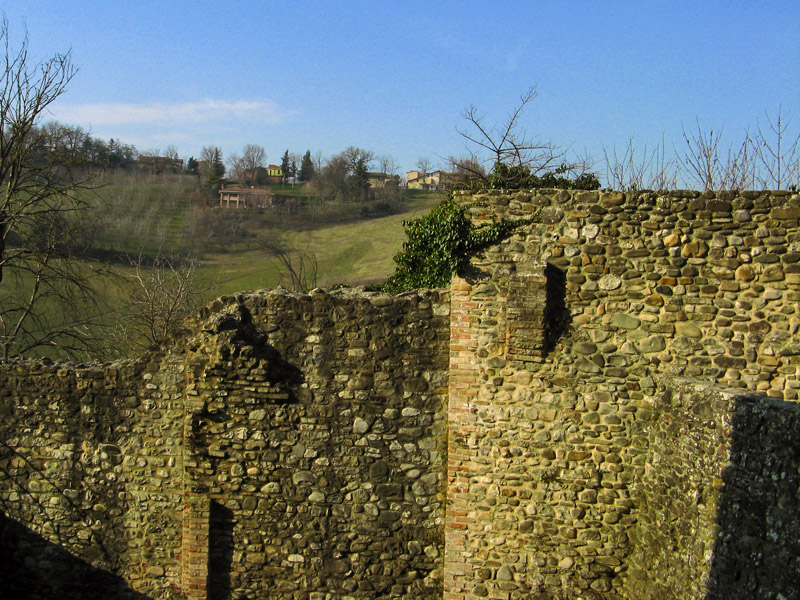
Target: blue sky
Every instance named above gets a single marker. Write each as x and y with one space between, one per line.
395 78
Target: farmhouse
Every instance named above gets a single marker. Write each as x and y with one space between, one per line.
436 181
241 197
159 164
262 175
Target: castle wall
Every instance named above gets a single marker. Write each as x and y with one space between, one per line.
549 450
91 484
318 437
715 514
289 446
574 418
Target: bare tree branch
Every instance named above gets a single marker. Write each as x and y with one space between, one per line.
639 169
778 153
162 295
298 267
508 144
46 297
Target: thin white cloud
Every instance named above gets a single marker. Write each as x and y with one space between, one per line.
101 114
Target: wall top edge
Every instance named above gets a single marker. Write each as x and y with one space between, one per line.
663 193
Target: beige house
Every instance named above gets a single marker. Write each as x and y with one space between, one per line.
379 180
436 181
239 197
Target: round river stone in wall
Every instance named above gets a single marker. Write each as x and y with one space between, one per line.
590 231
625 321
609 282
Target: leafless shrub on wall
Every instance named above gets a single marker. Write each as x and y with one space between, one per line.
704 166
700 160
162 294
636 169
508 143
766 159
778 153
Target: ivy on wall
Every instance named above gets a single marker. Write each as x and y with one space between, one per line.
440 245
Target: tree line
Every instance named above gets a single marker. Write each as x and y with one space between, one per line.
353 175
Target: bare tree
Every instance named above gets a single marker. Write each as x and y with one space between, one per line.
71 139
353 156
210 153
509 144
331 178
46 296
778 153
388 165
319 161
298 267
466 167
740 166
639 169
236 169
424 165
700 161
703 166
171 151
253 156
161 296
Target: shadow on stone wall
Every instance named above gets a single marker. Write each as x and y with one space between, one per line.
33 568
757 552
220 551
556 314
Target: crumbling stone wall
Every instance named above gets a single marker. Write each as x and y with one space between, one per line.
317 424
705 285
715 514
288 446
91 461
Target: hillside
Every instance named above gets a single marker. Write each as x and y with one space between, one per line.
156 237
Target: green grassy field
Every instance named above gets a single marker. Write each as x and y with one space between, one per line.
140 218
143 214
352 253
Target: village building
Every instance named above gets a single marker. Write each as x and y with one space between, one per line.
437 181
246 197
159 164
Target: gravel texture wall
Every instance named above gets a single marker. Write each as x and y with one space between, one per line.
716 505
91 481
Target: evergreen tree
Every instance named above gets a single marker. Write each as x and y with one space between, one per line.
306 167
285 165
216 169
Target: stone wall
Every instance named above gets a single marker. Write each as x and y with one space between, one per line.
574 418
716 515
289 446
90 460
552 459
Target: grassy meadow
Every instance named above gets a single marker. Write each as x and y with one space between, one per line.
136 222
